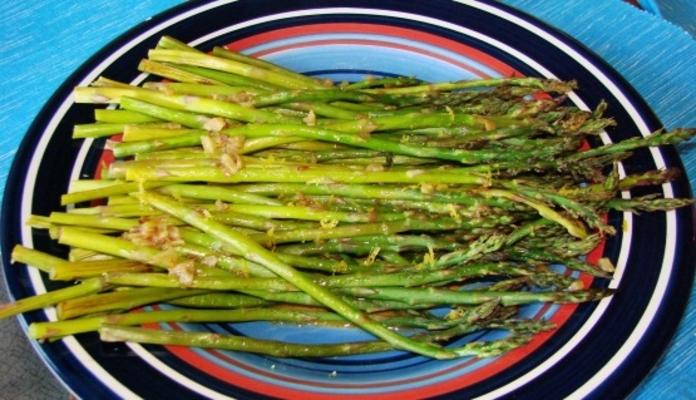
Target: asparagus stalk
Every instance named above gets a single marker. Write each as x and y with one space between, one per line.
192 104
386 82
209 192
94 221
46 330
118 301
646 204
274 77
227 78
121 116
71 270
306 173
444 296
35 258
282 349
84 288
168 42
309 214
655 139
219 300
177 74
407 279
537 83
204 90
337 134
135 133
232 55
460 196
191 120
96 130
122 188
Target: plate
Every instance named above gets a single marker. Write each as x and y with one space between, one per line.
602 349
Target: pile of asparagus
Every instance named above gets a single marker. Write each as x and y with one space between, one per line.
243 191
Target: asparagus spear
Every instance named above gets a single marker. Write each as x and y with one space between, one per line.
119 300
45 330
87 287
444 296
282 349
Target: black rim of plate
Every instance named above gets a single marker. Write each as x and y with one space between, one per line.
613 332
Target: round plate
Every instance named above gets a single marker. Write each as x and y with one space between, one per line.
600 349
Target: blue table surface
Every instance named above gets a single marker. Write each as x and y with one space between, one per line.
43 42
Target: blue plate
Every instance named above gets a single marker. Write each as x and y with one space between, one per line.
601 349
